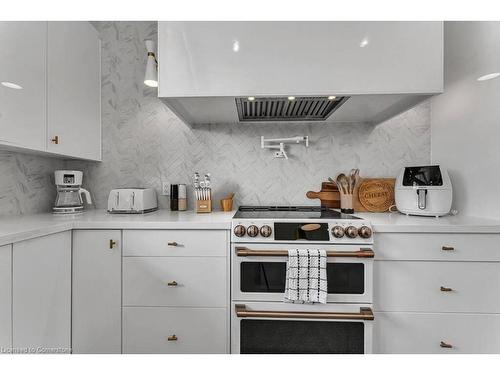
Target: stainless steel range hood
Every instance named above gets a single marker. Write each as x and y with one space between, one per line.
308 72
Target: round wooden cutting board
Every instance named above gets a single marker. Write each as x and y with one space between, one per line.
377 195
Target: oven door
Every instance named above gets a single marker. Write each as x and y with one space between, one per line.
286 328
259 272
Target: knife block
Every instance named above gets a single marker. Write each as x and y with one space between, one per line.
204 206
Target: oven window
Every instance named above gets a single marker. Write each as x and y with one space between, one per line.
301 337
269 277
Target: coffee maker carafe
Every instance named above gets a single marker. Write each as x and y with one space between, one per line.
69 192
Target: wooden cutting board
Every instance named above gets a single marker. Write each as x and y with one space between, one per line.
374 194
370 195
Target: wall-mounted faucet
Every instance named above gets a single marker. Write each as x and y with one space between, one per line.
279 144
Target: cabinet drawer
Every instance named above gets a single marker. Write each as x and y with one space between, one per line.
429 246
416 286
422 333
165 243
198 330
193 281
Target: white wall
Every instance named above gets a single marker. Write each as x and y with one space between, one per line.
465 119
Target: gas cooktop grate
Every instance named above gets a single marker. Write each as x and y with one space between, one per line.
303 108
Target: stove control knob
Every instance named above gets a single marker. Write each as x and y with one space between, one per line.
252 230
239 231
265 231
351 232
365 232
338 231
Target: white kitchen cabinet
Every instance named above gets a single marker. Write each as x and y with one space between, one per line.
284 58
41 311
175 281
433 333
74 90
96 323
175 330
23 62
5 297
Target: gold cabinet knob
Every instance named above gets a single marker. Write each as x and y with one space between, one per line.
172 338
445 289
173 243
112 244
55 140
447 248
444 344
172 283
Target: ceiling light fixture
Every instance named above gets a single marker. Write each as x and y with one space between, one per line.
11 85
236 46
364 42
291 98
487 77
332 97
251 98
151 75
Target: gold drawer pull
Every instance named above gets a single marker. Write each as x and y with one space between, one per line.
55 140
112 244
172 283
445 345
447 248
445 289
173 244
172 338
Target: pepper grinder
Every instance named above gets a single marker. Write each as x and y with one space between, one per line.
174 197
182 198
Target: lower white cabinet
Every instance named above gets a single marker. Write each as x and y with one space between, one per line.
41 289
5 298
96 291
436 333
175 330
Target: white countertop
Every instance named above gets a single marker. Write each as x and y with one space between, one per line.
23 227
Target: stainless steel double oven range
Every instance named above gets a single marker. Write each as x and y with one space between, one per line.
260 321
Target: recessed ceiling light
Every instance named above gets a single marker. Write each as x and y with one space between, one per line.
151 83
251 98
291 98
11 85
488 76
236 46
364 43
332 97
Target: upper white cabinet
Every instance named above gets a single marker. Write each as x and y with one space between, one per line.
5 296
74 90
300 58
23 63
97 291
57 109
41 289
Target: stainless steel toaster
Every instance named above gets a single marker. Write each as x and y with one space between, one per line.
132 201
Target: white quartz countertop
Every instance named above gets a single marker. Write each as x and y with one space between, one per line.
23 227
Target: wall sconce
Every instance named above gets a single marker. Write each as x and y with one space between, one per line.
151 76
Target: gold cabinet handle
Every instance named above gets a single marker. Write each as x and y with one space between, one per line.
55 140
112 244
445 289
447 248
172 283
445 345
173 243
172 338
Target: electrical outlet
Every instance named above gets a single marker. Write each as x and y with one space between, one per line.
165 188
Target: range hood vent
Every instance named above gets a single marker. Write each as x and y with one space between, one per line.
304 108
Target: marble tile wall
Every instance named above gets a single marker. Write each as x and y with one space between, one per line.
145 144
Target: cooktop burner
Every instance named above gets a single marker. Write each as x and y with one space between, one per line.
290 212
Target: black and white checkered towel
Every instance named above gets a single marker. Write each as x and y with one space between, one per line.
306 276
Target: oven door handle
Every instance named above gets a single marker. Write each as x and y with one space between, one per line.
365 313
246 252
